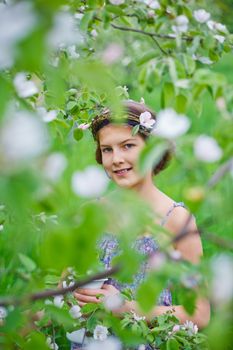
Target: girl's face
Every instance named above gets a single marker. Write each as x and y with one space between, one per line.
120 152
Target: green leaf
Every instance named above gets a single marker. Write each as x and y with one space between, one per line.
78 134
168 95
13 321
151 155
86 20
88 308
52 279
92 322
181 103
36 341
72 106
114 9
189 64
172 344
148 292
27 262
135 130
60 246
207 77
187 298
142 76
147 57
60 316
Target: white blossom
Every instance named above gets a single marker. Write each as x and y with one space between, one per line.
17 20
75 311
170 124
71 51
221 103
47 116
22 137
78 15
54 166
64 32
153 4
142 347
207 149
146 120
190 281
24 87
221 27
142 101
151 14
203 59
212 25
175 254
157 261
113 302
91 182
222 280
1 227
181 24
220 38
190 327
117 2
94 33
201 15
182 83
176 328
137 318
84 126
51 344
100 333
58 301
110 343
65 284
112 53
3 312
76 336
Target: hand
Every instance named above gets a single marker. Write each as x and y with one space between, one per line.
85 296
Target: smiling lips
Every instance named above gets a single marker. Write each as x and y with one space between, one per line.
122 172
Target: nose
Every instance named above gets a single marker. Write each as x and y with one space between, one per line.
117 157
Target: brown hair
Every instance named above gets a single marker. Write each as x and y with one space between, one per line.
133 110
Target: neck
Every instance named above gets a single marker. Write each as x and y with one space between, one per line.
147 190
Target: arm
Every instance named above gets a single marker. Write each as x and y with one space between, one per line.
190 248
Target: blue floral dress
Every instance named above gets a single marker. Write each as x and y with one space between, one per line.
109 248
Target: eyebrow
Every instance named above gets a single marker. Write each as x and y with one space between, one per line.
132 139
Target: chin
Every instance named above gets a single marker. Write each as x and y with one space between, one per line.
126 183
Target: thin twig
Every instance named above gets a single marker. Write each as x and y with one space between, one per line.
128 29
183 232
159 46
212 237
161 36
221 171
58 291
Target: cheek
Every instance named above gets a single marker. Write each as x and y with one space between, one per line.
106 161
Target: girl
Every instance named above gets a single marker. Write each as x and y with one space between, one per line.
118 151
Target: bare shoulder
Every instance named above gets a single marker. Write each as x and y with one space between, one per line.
190 245
179 218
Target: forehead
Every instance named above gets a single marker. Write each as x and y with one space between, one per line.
114 134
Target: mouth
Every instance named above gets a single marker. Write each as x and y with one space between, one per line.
121 172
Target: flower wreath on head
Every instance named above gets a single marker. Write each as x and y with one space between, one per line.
143 122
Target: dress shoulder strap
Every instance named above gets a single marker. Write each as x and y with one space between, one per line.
175 205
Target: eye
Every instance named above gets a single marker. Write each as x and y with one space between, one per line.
128 145
106 150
